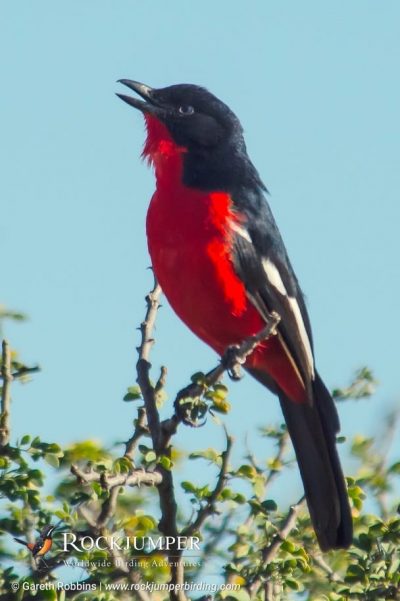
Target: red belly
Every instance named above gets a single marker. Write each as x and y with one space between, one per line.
192 263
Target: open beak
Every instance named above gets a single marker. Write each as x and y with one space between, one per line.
148 104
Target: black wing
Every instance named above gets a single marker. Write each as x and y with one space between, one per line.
261 261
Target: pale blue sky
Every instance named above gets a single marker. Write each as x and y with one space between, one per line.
316 87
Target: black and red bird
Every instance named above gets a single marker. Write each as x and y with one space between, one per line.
221 262
42 545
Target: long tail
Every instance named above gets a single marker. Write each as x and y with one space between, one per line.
313 432
21 542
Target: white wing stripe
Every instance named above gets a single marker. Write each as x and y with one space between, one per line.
274 276
303 334
275 280
240 230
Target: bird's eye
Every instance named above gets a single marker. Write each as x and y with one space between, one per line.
186 109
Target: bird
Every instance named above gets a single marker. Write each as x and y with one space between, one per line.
43 544
221 262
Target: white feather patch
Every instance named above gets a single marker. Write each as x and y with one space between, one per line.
303 334
239 230
274 276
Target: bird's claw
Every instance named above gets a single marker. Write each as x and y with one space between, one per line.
232 361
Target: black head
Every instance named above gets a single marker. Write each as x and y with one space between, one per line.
47 531
197 120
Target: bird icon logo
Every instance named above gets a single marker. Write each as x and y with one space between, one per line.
43 543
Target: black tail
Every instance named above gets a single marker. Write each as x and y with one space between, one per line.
20 541
313 432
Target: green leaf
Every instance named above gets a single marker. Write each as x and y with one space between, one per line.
355 573
259 485
165 462
48 595
394 468
150 456
274 464
209 454
240 595
220 391
288 546
3 462
52 460
293 584
188 486
221 405
364 542
122 465
198 378
25 439
133 394
269 505
246 471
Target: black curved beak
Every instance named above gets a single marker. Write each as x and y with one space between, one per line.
149 105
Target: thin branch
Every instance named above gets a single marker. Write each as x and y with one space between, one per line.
132 478
270 590
25 371
108 507
209 507
233 357
140 429
5 394
88 516
161 380
332 575
269 552
278 459
143 365
384 449
168 506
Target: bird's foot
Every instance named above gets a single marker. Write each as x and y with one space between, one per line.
232 360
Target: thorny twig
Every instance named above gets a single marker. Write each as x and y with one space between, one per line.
140 429
277 460
132 478
5 394
209 507
168 521
269 552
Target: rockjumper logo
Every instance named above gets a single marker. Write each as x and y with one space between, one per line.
42 545
144 543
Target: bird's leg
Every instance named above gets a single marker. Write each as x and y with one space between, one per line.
189 405
236 354
231 360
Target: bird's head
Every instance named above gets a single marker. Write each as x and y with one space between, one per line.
47 531
187 120
195 119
